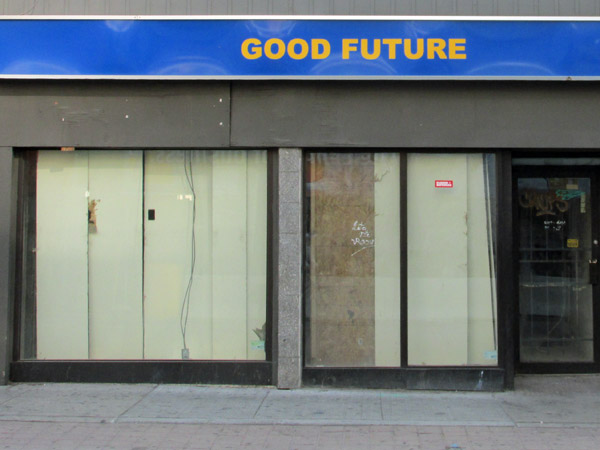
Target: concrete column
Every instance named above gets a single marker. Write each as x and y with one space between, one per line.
6 260
288 304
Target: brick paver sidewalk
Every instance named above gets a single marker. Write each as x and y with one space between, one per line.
146 436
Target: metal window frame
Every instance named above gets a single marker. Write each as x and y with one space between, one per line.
405 376
247 372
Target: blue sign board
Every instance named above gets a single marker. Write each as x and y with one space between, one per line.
323 48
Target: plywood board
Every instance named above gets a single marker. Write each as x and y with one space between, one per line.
342 310
387 259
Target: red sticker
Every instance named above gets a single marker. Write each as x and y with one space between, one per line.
444 183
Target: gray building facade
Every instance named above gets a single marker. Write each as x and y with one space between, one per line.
338 272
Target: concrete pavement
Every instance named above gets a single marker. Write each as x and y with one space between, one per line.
542 412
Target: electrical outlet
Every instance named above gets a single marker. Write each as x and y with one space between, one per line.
185 353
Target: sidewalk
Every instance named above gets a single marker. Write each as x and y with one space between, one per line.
543 412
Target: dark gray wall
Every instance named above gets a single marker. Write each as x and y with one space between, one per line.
114 114
406 114
6 268
342 7
416 114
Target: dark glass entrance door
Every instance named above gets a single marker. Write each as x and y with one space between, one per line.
557 267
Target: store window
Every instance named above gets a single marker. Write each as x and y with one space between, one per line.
451 259
353 252
146 255
354 297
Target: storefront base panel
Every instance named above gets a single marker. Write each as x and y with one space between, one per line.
557 368
431 378
180 372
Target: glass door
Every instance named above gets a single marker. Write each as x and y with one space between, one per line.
557 267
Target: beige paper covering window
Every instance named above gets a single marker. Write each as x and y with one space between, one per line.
114 290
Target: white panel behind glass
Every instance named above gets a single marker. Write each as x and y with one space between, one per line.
437 260
115 255
61 255
229 264
168 255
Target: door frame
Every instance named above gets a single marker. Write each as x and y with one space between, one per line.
583 171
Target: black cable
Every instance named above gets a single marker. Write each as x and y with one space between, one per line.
185 305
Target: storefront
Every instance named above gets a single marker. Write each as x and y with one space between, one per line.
410 204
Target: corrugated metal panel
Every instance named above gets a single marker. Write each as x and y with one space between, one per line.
308 7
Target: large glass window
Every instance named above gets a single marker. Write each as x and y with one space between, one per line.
353 250
354 295
451 206
147 255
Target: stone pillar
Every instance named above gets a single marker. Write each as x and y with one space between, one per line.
6 262
288 304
